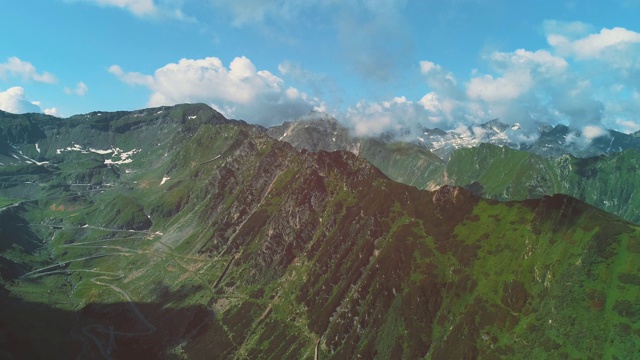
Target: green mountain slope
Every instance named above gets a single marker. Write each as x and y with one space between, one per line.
502 173
212 240
496 172
608 181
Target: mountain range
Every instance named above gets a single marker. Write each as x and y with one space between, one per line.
176 233
492 166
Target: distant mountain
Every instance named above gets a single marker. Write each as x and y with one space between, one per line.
444 143
316 131
405 162
608 182
176 233
488 165
559 140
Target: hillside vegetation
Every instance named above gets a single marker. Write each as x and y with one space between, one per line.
175 233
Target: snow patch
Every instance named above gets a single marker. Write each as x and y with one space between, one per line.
39 163
38 148
125 157
102 152
421 139
117 155
164 180
192 117
117 162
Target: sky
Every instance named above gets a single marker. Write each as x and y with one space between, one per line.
375 65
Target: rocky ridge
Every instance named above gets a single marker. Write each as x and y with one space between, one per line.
213 239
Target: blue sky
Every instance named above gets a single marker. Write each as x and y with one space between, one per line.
374 64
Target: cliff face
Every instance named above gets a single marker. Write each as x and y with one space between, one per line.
190 236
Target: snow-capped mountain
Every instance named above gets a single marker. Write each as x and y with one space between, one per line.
319 131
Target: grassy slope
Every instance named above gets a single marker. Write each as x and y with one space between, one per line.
404 162
501 173
272 250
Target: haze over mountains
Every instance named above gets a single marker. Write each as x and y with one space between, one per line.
176 233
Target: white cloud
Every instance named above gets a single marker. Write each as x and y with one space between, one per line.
239 91
521 72
618 47
525 87
440 80
14 100
595 45
628 126
573 29
131 78
80 90
25 70
374 118
592 131
540 61
445 111
144 8
496 90
52 112
138 7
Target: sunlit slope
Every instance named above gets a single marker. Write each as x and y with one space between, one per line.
608 181
216 241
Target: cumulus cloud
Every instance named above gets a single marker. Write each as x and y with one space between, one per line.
440 80
592 131
80 90
15 67
374 118
587 79
614 51
131 78
52 111
628 126
595 46
520 72
501 89
239 91
528 87
583 137
14 100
